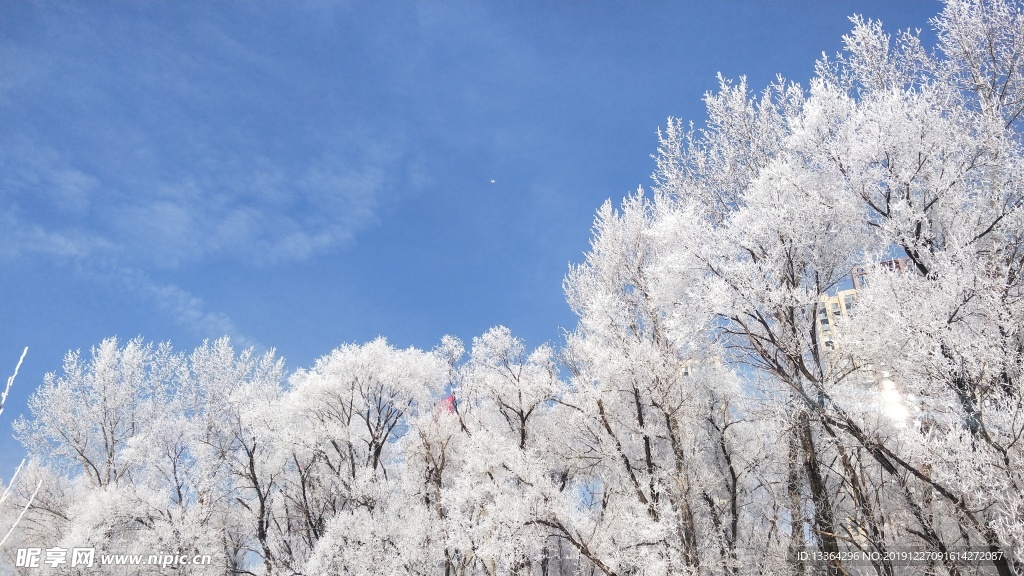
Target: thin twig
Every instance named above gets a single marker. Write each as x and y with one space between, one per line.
7 490
23 510
10 380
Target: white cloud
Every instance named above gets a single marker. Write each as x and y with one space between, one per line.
19 238
165 149
186 309
270 216
174 156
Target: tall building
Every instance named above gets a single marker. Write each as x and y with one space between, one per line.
841 304
830 308
860 273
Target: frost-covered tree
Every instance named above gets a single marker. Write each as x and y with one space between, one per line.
510 476
359 506
658 419
144 450
893 151
452 486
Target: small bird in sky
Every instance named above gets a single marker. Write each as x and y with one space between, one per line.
492 181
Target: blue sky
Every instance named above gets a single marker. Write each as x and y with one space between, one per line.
303 175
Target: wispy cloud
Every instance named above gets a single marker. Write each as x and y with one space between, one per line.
259 211
165 145
264 215
19 238
186 309
156 151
